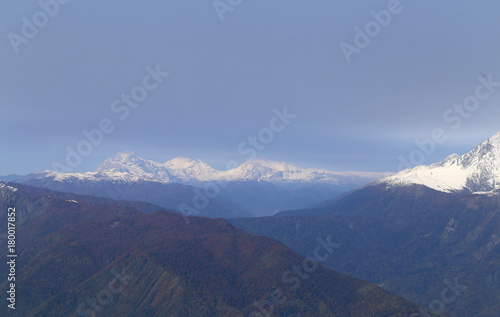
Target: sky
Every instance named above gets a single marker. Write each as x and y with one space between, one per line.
341 85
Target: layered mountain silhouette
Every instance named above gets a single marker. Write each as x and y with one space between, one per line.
430 234
413 232
82 256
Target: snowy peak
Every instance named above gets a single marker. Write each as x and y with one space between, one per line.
181 163
260 169
187 170
486 154
121 162
128 166
476 172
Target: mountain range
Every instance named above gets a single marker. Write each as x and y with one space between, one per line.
255 188
128 167
430 234
85 256
414 232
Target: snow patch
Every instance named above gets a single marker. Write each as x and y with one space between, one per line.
3 185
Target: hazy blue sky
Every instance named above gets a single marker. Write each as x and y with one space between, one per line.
226 77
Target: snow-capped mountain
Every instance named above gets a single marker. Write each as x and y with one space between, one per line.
257 187
187 170
282 172
475 172
128 167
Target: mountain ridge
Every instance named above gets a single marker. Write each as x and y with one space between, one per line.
128 167
477 171
71 252
408 239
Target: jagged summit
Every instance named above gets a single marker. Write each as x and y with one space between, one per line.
128 166
477 171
